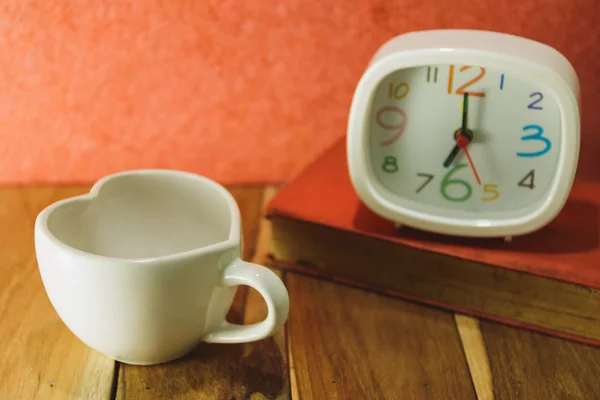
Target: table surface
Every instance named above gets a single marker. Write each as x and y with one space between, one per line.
339 342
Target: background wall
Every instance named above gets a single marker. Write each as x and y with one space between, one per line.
241 91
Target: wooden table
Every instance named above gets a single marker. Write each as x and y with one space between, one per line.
339 342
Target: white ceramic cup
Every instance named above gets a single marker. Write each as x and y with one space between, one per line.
145 266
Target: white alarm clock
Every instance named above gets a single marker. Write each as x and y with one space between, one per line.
465 132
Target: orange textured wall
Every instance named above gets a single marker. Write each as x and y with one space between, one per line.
241 91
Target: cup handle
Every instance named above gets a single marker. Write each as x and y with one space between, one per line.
270 287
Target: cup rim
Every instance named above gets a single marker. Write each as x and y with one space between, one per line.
233 240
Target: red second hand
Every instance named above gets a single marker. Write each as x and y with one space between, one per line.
462 142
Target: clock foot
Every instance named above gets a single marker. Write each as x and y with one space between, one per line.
508 239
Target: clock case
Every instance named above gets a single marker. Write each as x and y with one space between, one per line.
510 53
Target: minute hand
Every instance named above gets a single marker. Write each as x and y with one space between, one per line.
465 111
463 130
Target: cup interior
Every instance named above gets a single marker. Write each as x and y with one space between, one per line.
145 215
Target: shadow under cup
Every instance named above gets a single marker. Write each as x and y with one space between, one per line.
142 216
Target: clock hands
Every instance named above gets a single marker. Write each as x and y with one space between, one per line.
463 137
463 131
452 155
465 110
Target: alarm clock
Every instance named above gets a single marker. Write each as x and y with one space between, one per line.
465 132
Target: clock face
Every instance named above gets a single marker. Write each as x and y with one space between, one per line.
501 162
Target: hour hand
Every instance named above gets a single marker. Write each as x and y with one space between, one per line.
451 156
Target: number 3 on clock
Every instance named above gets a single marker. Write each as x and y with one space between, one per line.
537 136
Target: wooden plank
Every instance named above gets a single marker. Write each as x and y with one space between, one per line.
217 370
249 201
477 358
348 343
294 390
41 358
271 354
530 365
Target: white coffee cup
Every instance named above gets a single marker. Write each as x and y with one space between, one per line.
145 266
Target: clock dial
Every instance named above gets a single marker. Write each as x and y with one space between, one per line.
464 138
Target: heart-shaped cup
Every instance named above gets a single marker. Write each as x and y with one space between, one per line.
145 266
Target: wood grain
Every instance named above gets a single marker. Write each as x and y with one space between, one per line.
529 365
476 354
41 358
256 310
352 344
249 200
340 342
218 371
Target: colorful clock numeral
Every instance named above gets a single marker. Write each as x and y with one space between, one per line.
432 76
491 190
390 164
536 136
428 179
398 92
461 90
448 181
528 180
459 185
397 128
538 97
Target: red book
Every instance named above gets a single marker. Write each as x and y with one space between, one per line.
548 280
